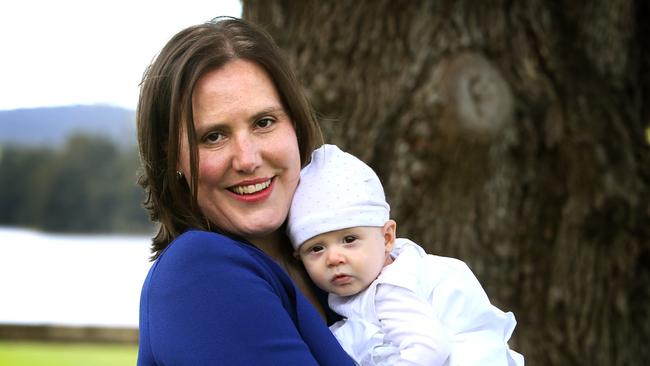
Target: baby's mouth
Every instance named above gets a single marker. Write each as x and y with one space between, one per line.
341 278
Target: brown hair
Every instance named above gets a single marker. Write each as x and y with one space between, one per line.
166 103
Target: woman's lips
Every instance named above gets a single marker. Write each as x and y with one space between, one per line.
252 190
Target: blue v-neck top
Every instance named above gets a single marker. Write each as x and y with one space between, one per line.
212 300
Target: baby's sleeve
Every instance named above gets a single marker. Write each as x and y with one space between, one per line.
479 331
409 323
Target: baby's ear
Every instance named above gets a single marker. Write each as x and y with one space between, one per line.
389 231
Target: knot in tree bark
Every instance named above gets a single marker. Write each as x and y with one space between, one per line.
479 100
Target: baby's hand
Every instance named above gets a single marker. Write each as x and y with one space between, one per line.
385 354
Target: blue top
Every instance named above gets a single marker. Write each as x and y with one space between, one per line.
211 300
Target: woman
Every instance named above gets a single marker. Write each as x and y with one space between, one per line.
223 130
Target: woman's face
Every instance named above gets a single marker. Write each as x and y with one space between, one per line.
249 161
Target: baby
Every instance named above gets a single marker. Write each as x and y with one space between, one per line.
400 306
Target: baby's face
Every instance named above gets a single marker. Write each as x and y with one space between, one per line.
346 261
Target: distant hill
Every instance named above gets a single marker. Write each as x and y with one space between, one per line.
51 126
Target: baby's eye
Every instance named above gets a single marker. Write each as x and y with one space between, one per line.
264 122
316 249
349 239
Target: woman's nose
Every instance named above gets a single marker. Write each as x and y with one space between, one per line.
246 154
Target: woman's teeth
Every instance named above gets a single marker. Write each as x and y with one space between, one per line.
252 188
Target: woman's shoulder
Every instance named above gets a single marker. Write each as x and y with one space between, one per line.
203 240
199 262
203 254
197 244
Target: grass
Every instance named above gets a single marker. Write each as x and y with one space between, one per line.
66 354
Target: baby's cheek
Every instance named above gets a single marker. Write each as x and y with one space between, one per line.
315 274
311 270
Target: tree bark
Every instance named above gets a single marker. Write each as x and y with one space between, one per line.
509 134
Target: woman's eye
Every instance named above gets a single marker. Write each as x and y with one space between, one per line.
349 239
264 123
213 137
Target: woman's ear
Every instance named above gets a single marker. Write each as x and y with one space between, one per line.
389 230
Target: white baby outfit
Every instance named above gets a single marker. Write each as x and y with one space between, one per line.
422 309
460 316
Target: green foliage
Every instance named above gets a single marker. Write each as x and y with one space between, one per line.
87 186
60 354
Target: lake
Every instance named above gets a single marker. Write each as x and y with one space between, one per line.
71 280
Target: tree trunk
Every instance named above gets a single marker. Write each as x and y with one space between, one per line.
509 134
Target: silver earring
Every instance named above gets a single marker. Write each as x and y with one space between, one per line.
179 175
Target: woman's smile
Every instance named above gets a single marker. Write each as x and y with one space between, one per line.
248 188
252 192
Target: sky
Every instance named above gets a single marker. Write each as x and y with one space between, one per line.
71 52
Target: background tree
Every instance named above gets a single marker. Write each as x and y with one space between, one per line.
87 185
510 134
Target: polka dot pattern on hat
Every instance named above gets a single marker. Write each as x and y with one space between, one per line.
336 191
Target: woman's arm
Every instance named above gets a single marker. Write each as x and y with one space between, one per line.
208 301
